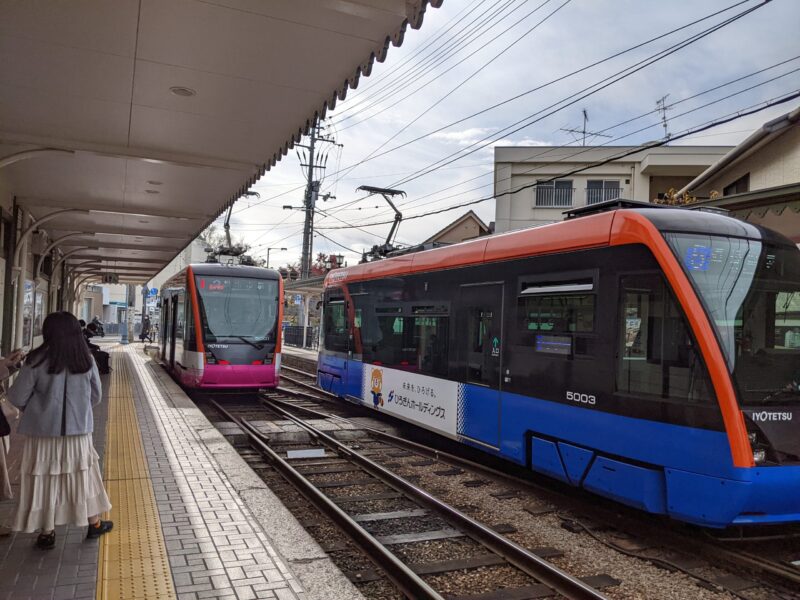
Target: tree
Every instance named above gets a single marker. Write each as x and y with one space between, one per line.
671 198
212 236
216 239
325 262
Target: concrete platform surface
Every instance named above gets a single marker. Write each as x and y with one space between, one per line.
224 533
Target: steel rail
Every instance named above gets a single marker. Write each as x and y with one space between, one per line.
296 370
310 386
713 547
411 584
538 568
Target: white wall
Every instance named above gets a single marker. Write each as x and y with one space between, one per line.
194 253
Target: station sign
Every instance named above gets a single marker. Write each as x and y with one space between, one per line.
110 278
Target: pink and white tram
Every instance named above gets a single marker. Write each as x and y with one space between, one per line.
221 326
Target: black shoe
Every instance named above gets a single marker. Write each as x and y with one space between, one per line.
46 541
95 531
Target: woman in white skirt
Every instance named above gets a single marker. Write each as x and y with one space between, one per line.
60 482
7 364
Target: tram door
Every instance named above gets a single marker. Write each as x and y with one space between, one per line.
166 309
480 329
173 319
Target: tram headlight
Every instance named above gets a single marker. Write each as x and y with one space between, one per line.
759 455
753 437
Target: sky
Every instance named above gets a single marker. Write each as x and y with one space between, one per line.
414 125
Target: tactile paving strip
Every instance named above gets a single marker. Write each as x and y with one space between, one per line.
133 562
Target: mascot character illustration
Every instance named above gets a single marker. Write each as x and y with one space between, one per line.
377 384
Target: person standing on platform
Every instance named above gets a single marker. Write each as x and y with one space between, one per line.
145 334
8 413
60 482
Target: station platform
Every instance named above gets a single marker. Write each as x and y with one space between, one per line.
306 353
191 519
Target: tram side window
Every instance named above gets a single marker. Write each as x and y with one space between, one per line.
191 338
556 324
431 335
396 347
179 319
414 343
656 355
337 333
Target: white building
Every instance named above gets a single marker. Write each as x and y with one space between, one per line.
532 185
193 253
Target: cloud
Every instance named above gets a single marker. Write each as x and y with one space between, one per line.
463 137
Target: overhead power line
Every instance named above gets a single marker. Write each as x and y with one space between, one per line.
578 96
556 80
469 35
549 150
467 79
662 142
465 58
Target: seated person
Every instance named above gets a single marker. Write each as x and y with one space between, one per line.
89 331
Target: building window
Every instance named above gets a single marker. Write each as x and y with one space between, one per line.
601 190
554 194
737 187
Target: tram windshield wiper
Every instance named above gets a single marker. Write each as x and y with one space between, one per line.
778 396
255 345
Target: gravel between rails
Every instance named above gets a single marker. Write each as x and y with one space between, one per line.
406 525
376 506
583 556
477 581
439 550
380 590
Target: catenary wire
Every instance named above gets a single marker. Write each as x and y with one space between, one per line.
551 82
617 125
662 142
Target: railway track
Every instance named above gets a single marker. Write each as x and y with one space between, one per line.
749 571
328 480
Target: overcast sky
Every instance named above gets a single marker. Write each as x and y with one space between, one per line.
510 47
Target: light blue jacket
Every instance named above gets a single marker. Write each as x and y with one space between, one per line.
53 407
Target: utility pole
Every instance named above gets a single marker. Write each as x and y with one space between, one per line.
312 189
312 193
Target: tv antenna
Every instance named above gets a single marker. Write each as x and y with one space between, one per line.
661 107
583 132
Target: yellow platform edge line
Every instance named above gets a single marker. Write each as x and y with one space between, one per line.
127 477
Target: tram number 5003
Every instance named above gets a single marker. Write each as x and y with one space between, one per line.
582 398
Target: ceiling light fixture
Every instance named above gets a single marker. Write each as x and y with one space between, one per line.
184 92
152 191
154 182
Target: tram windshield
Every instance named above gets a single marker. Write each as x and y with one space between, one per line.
751 290
237 309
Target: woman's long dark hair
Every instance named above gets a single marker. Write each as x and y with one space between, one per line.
64 346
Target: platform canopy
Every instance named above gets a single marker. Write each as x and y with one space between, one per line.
151 116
